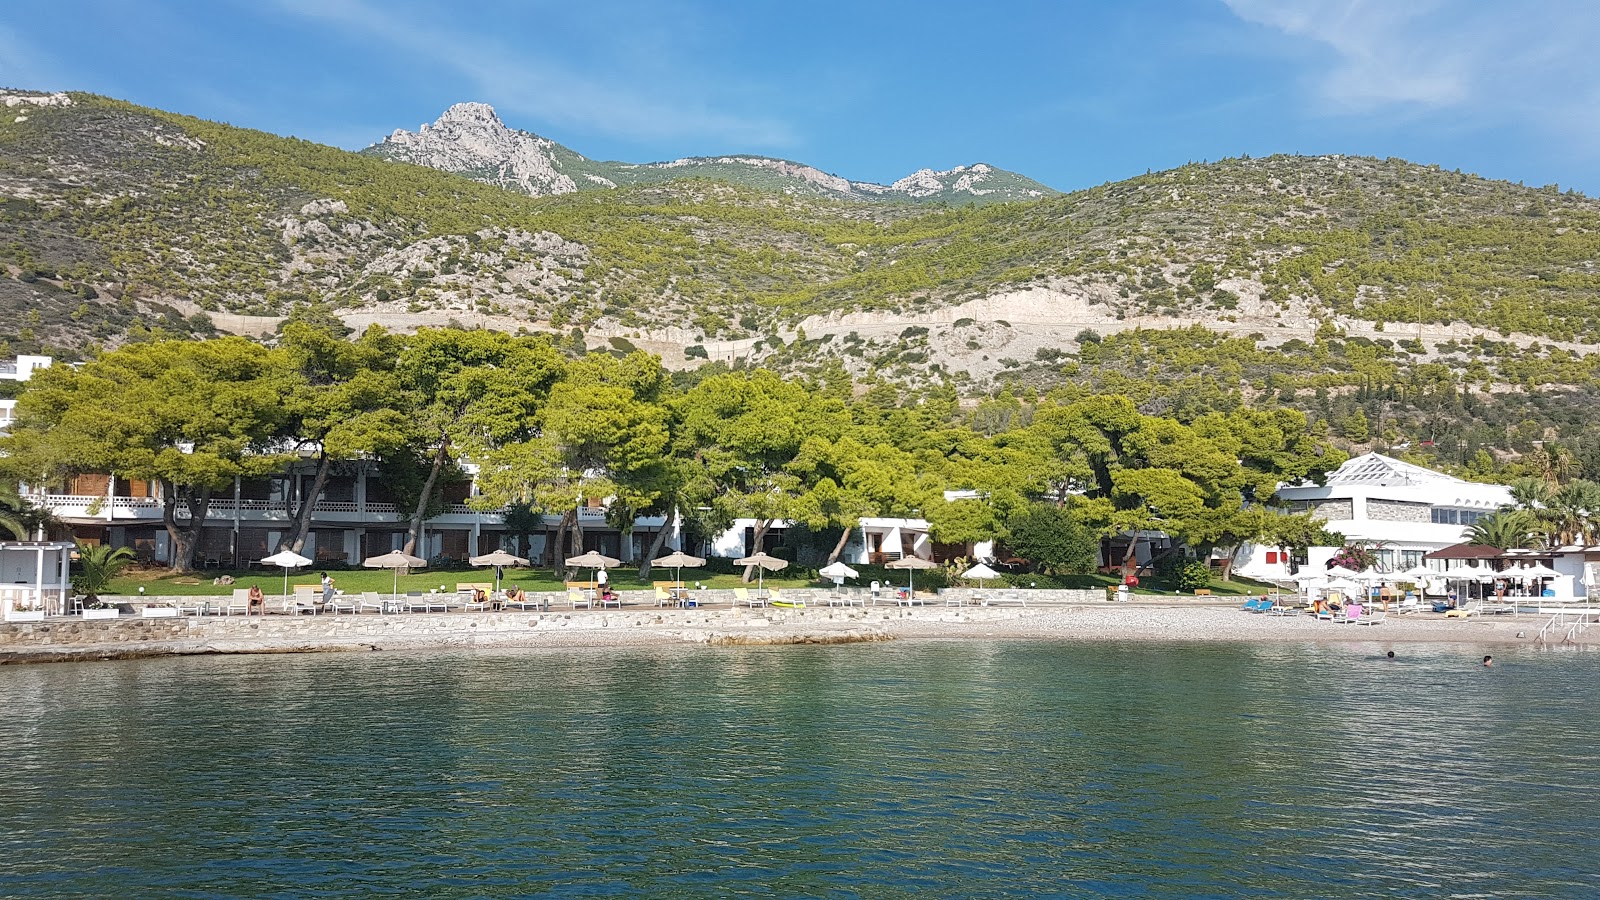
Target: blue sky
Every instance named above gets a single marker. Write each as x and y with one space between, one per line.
1071 93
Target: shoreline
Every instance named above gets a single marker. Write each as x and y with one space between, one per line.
72 640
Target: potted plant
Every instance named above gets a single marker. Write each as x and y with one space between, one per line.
97 566
25 611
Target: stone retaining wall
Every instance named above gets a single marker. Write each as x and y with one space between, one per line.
221 633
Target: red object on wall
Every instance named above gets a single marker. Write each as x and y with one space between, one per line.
1131 581
1272 556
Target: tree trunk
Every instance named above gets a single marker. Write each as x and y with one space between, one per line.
655 547
421 511
184 539
296 536
761 533
558 560
839 547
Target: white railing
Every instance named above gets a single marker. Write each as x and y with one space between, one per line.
344 506
1570 623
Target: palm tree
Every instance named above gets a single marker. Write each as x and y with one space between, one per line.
20 516
1574 513
99 564
1507 529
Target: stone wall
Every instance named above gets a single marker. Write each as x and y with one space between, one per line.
1334 510
1398 511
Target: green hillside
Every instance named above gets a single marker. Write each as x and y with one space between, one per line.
116 220
166 207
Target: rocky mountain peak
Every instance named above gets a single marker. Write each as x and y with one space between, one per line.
471 116
469 138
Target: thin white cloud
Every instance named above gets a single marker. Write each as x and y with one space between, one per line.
1506 61
542 87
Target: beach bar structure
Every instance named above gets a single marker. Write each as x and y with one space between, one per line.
34 578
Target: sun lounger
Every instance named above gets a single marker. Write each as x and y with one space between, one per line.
1372 617
371 600
529 602
580 598
340 604
417 601
743 595
1253 605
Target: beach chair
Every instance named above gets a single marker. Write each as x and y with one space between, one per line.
1373 617
1253 605
876 591
371 600
189 606
579 598
340 604
466 600
663 598
239 604
775 597
743 595
530 601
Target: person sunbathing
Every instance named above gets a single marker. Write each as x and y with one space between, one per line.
515 594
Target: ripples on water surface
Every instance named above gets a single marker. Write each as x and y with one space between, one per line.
944 768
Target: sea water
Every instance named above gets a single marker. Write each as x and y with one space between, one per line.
942 768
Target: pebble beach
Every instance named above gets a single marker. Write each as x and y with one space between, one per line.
70 639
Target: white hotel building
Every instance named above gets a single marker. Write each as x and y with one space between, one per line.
1402 510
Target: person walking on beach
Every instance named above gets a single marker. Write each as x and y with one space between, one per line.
327 587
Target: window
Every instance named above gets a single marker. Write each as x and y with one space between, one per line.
1444 516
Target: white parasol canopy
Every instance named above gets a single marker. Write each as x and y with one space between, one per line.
911 564
1342 572
762 561
980 572
838 571
396 560
288 559
1537 570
